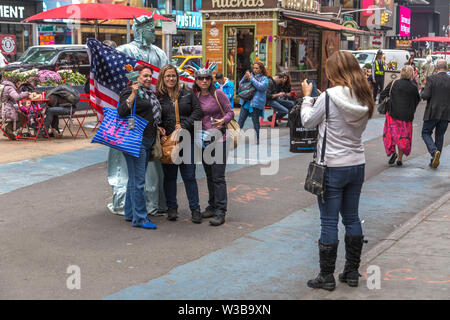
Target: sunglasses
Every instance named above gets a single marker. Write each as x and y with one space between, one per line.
203 78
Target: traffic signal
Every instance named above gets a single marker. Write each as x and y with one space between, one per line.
384 18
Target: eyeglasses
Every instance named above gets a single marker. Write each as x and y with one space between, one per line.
170 76
203 78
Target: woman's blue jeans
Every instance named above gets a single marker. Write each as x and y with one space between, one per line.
135 203
255 115
342 191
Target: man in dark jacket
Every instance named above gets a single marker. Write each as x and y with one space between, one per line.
274 97
437 112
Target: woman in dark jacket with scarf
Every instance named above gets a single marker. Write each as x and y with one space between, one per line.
170 90
147 107
400 114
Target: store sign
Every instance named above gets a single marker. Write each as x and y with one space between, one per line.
46 38
404 25
8 43
350 24
189 20
301 5
238 4
12 12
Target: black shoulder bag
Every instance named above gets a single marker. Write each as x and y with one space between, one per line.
315 179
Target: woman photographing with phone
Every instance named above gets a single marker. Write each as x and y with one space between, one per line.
255 106
350 104
140 97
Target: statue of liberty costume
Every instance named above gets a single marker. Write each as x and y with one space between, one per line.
141 48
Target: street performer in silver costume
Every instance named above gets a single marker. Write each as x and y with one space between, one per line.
141 48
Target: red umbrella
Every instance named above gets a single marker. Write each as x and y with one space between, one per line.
95 12
434 39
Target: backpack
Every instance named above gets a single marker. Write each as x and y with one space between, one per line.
246 91
302 140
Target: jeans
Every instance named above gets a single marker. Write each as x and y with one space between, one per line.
135 203
217 186
187 171
278 107
342 191
427 131
256 114
52 113
379 81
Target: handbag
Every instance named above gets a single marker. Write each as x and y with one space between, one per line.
383 107
156 151
246 90
315 178
171 146
115 133
233 128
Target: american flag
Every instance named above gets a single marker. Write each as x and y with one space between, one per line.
108 74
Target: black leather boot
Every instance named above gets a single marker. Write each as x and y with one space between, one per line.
208 213
353 248
325 279
196 216
217 220
172 214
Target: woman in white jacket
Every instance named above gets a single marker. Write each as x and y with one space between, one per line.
350 106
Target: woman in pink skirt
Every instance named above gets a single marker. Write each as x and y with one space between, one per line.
400 115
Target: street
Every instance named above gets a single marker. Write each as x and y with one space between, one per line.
54 215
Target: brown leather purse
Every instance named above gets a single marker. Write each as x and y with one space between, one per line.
171 146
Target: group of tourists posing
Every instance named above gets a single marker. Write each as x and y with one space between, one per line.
203 103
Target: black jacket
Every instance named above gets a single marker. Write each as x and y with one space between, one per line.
404 99
437 94
272 89
143 109
189 110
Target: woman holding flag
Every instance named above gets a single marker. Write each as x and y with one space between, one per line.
147 106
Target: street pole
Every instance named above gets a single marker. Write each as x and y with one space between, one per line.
128 26
168 37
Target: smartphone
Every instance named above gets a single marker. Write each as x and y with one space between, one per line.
314 92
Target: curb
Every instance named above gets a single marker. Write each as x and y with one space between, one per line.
385 244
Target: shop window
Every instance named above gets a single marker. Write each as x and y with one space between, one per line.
158 4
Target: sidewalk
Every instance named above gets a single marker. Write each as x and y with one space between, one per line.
413 262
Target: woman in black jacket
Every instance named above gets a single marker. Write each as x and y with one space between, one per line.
398 124
147 107
169 90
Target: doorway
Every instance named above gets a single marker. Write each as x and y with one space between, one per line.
240 52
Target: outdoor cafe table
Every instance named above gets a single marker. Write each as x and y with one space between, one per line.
39 118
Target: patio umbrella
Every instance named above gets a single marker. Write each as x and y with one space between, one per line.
95 12
434 39
445 40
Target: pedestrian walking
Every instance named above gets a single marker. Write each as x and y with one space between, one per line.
226 85
378 69
170 92
426 71
350 105
437 112
255 106
217 113
398 127
147 107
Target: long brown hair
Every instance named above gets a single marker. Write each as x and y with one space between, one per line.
161 89
262 67
343 69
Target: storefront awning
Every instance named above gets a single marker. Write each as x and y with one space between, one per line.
328 25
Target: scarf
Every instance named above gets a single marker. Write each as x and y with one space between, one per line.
156 106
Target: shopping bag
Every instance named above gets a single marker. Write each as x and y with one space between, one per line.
115 132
